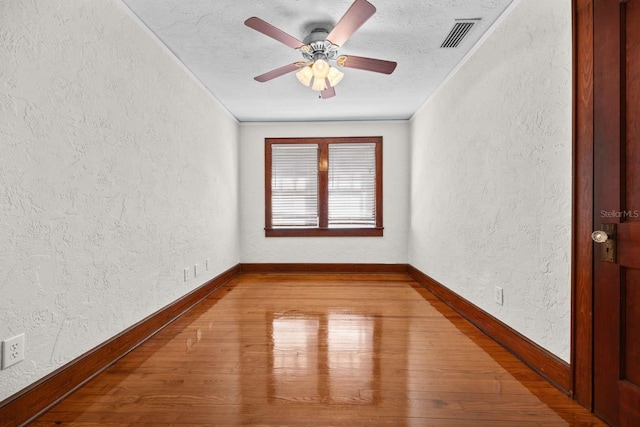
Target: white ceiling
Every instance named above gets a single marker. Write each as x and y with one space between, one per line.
210 38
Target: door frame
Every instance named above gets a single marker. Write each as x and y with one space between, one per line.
585 50
583 203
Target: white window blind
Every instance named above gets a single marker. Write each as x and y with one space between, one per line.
294 185
352 185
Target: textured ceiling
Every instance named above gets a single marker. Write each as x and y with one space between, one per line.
210 38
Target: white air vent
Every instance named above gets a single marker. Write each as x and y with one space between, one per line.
458 32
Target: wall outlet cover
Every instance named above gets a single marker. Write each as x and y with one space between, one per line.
499 296
12 351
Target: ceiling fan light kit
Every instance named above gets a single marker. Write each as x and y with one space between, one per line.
305 75
335 76
319 85
320 47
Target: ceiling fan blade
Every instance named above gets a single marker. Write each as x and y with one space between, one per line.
277 72
359 12
368 64
273 32
329 92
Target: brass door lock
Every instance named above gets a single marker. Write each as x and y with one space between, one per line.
607 239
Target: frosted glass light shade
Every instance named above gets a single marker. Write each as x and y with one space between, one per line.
305 75
320 69
334 76
319 84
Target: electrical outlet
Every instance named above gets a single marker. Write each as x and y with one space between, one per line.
499 296
12 351
206 264
187 272
196 270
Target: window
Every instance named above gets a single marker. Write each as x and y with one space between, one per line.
323 186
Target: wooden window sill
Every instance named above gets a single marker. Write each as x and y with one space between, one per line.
324 232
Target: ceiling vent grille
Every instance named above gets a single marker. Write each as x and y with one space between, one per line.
459 31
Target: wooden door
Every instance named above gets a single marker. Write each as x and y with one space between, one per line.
616 130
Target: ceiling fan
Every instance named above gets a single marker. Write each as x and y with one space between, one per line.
320 47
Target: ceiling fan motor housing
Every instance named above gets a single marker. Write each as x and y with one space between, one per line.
316 46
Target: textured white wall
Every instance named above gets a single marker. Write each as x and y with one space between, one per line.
491 175
389 249
117 170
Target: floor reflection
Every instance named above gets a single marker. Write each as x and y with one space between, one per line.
329 358
293 357
351 346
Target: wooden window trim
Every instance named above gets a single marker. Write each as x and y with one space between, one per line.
323 191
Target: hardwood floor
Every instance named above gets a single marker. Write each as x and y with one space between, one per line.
317 350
